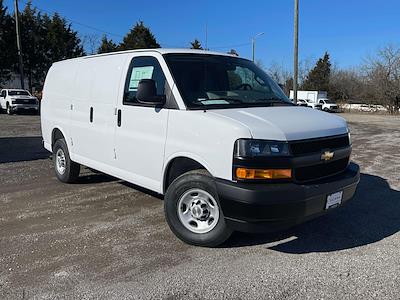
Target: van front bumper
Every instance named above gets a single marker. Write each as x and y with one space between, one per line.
255 207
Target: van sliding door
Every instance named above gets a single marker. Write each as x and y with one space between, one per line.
93 113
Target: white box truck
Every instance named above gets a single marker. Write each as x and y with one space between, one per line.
313 96
318 98
209 131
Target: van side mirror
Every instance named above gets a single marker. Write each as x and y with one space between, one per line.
147 93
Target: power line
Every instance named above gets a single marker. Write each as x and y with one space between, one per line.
231 46
76 22
119 35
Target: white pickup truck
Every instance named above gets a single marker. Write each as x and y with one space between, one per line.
314 105
328 105
16 100
211 132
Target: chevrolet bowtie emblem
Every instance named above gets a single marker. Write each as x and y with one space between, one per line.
327 155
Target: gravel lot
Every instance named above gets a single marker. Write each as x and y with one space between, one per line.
105 238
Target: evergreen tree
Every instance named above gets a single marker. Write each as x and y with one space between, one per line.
32 42
44 40
318 78
8 44
59 42
139 37
63 42
196 44
107 45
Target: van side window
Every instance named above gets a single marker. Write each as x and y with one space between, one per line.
144 67
3 93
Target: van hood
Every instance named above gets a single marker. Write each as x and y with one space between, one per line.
283 123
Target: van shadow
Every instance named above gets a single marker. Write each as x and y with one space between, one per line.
372 215
15 149
92 176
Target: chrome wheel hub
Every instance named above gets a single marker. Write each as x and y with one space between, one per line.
198 211
60 161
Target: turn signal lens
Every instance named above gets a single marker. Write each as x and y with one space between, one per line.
244 173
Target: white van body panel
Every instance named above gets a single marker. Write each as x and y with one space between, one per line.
205 137
60 88
281 123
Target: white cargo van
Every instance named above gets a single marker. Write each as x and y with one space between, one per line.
211 132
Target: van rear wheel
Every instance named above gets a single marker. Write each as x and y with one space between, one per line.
193 211
66 170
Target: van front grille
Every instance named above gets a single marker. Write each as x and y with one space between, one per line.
318 171
305 147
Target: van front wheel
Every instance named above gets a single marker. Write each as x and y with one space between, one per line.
193 211
66 170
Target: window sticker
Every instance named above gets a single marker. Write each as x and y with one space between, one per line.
139 73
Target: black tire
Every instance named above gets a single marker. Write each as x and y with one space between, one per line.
9 110
326 109
71 169
197 179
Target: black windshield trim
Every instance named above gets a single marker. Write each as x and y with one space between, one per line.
239 105
192 106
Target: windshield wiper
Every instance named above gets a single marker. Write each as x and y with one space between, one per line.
273 100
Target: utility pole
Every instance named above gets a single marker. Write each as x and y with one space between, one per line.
253 45
252 48
206 48
19 46
296 50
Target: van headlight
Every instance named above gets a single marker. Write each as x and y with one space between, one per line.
259 148
249 148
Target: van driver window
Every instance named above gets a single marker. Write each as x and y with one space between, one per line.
145 67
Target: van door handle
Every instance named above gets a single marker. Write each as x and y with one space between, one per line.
91 114
119 118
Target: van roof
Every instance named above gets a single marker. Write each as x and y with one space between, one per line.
158 50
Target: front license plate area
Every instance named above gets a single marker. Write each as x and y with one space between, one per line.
334 200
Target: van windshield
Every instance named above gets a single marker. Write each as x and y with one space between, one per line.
216 81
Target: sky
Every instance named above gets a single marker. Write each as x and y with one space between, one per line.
350 30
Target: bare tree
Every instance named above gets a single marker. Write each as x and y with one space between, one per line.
91 43
305 66
346 85
259 63
278 72
382 76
